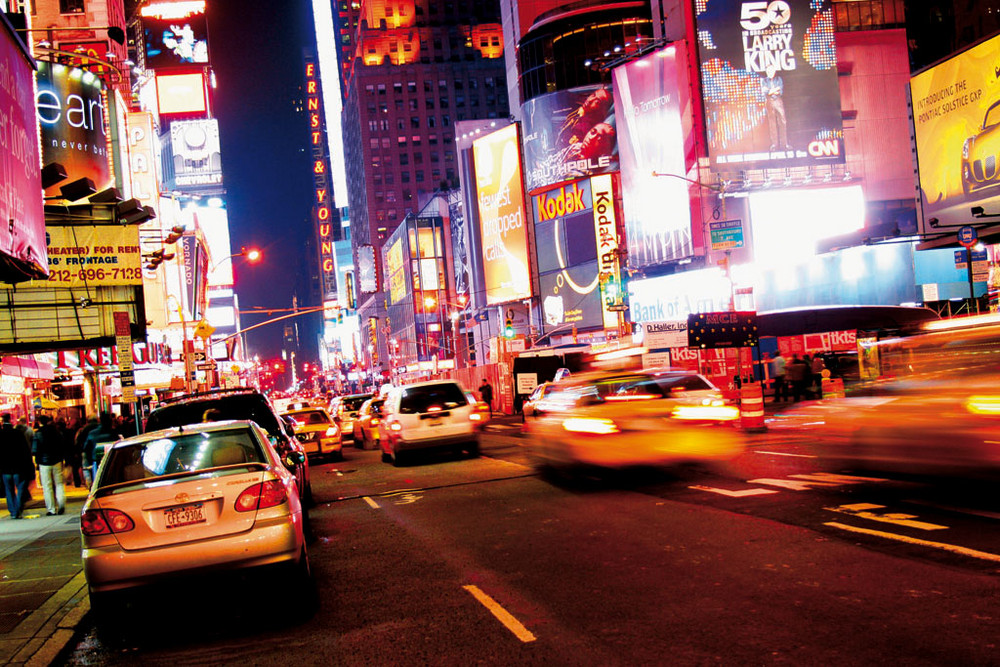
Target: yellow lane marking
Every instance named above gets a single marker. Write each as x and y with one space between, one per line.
798 456
983 555
733 494
502 614
861 510
374 505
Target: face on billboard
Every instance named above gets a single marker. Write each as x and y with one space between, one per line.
655 137
70 108
176 42
500 195
956 121
22 237
769 81
568 135
180 93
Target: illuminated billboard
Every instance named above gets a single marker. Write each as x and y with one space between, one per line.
181 93
367 276
500 194
569 134
655 136
175 42
322 205
769 83
92 255
70 106
394 265
197 152
956 122
22 236
142 175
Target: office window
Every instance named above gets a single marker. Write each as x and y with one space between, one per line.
414 122
370 89
411 86
404 159
428 86
385 142
71 7
398 87
381 89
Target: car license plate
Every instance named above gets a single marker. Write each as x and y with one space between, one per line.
175 517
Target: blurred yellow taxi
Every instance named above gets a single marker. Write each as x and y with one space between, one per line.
317 431
632 419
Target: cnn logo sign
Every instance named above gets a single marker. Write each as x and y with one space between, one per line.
824 148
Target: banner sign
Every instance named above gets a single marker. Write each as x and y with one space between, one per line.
664 335
726 234
89 255
770 84
569 134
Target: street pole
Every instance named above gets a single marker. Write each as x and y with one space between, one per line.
972 291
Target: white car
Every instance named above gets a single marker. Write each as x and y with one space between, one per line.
205 497
429 415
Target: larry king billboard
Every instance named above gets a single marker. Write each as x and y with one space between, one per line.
956 122
769 82
175 42
568 134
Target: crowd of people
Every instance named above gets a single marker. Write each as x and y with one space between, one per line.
54 452
798 379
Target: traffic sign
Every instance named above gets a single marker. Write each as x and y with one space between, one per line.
967 236
196 355
726 234
205 365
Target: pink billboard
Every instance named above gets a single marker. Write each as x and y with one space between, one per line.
22 236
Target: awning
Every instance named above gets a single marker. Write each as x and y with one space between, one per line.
820 319
988 235
27 367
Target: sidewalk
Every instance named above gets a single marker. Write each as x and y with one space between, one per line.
43 594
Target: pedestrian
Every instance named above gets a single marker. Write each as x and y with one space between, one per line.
105 432
486 393
48 450
817 366
16 467
797 375
25 430
778 372
78 445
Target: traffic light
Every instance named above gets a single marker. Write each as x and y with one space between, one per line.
176 232
157 257
508 329
340 316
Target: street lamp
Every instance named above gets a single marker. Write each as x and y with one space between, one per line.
253 256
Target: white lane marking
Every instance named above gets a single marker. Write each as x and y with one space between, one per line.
813 479
733 494
983 555
501 614
906 520
798 456
374 505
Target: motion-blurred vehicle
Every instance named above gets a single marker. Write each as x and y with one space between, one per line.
540 392
318 433
366 426
179 501
600 421
429 415
934 409
345 410
979 153
240 403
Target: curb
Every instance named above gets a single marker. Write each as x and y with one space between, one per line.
47 631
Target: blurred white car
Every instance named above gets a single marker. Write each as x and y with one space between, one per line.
429 415
617 420
205 497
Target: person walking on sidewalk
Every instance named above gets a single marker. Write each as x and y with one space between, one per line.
486 392
106 432
49 457
16 466
780 388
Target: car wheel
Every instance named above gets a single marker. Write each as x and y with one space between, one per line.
386 458
302 586
473 449
397 458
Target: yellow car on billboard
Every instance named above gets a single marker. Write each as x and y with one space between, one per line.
980 151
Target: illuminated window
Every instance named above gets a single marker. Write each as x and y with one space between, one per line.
71 7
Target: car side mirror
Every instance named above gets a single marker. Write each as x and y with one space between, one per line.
294 458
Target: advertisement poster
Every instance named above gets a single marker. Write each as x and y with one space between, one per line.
500 194
70 107
569 273
94 256
568 135
197 152
175 42
22 237
181 93
394 269
956 120
367 278
769 82
655 137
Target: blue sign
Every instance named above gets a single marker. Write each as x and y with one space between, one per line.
726 234
967 236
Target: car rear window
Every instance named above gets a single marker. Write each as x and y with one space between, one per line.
180 454
420 399
310 417
353 403
253 407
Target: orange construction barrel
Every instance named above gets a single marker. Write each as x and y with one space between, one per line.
752 407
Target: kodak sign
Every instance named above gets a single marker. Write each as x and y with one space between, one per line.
562 201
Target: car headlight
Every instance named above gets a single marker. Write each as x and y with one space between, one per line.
331 432
706 412
983 405
965 149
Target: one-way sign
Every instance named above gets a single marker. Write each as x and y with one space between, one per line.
197 355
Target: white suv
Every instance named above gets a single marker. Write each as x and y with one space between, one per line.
429 415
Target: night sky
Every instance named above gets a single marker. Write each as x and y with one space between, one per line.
257 54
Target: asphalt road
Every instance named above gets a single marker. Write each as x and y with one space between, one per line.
463 561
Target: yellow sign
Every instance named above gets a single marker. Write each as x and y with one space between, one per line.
204 329
93 255
394 269
500 193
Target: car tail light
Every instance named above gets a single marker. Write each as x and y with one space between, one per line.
105 522
592 425
706 412
395 426
475 416
983 405
374 422
259 496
